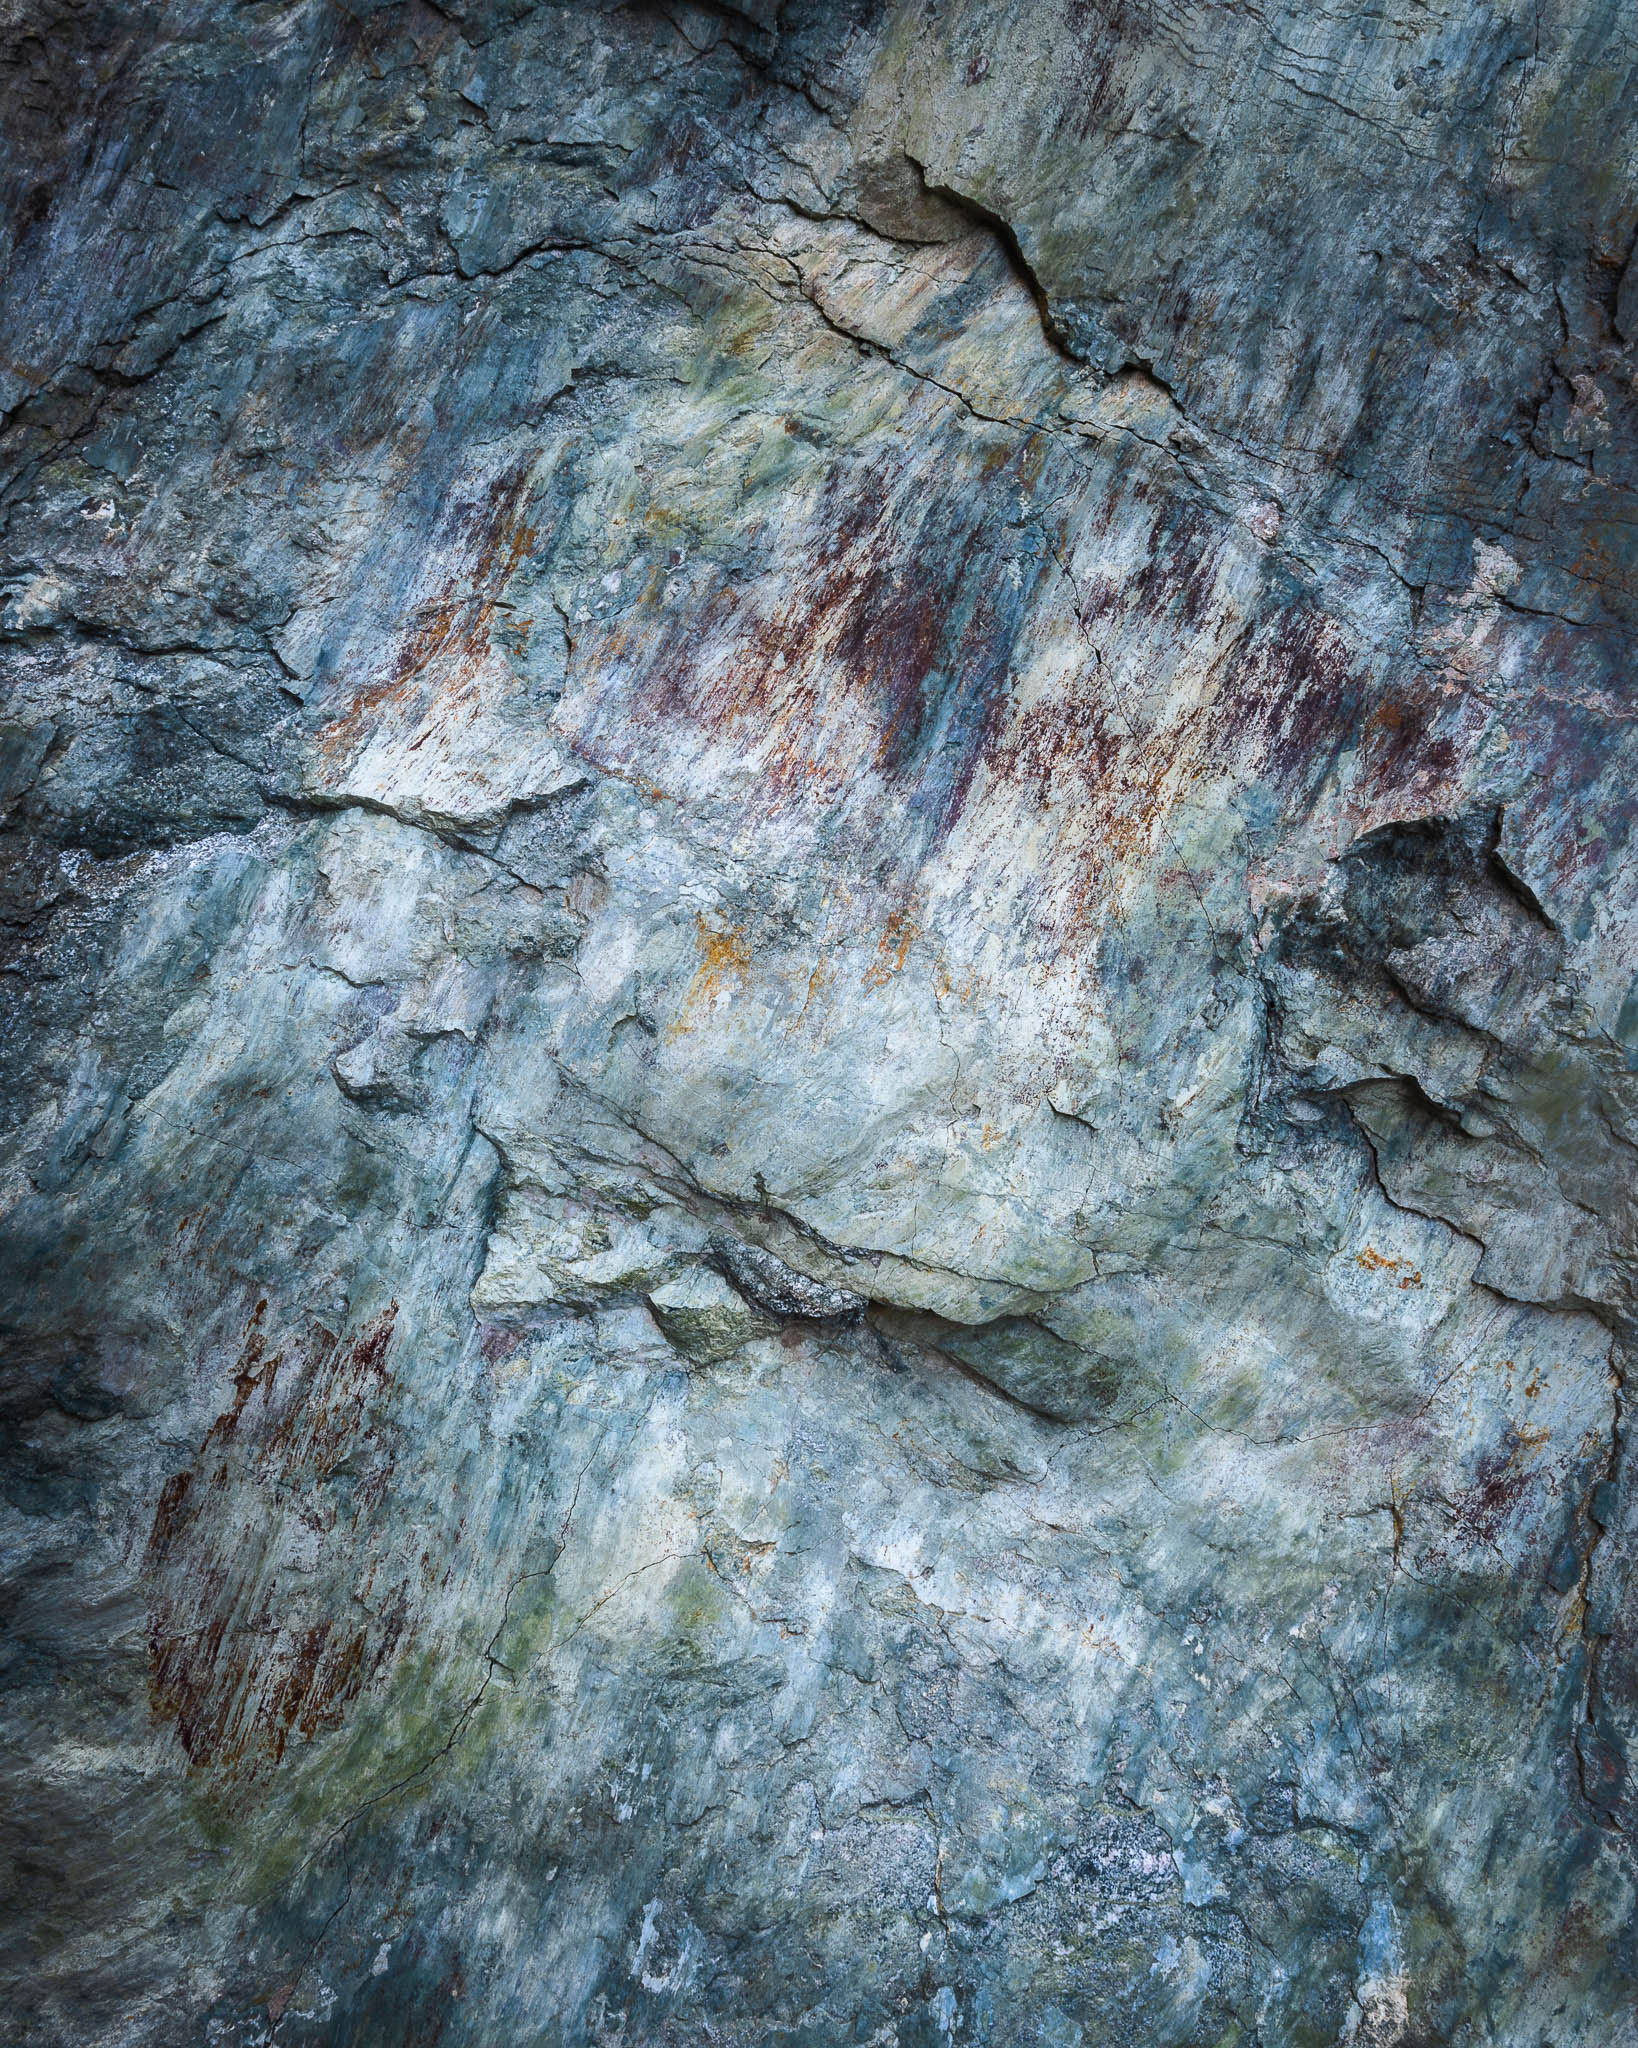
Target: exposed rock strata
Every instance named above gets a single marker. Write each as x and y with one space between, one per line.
822 1063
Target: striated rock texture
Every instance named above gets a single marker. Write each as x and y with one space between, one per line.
821 942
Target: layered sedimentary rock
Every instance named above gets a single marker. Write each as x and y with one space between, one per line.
822 1061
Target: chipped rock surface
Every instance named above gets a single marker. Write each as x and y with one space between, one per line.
821 953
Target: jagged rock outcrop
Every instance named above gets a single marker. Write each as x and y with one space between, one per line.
822 1056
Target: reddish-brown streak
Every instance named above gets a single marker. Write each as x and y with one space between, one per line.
452 635
232 1676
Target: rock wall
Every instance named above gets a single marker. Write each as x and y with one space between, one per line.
821 945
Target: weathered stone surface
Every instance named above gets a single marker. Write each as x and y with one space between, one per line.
705 1318
822 1043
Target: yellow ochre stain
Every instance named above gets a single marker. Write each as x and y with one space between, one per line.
900 931
725 961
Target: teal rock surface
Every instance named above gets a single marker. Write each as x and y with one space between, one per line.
820 942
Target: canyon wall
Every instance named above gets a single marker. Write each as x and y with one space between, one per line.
821 955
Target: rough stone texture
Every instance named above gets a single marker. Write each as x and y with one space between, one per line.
822 1060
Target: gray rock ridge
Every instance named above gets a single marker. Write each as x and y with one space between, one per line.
822 1015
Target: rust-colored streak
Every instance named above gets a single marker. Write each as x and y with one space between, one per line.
318 1432
172 1513
255 1374
450 639
1292 701
725 964
892 949
234 1665
887 648
920 663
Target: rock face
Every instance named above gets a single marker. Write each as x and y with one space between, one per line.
822 1064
